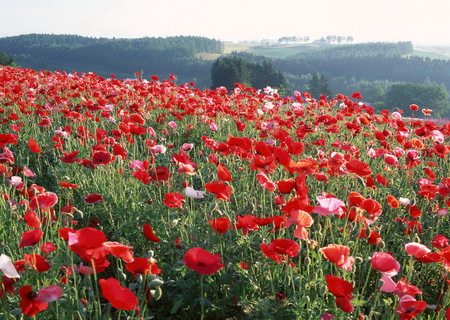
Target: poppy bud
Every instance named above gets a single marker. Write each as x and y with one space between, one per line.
156 283
156 294
307 261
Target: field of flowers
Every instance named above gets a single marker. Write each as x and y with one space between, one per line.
145 199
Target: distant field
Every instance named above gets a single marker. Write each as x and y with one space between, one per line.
283 51
438 50
258 49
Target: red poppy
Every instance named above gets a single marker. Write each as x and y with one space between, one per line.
102 158
70 157
174 200
92 198
393 201
32 219
202 261
142 175
342 290
8 139
385 263
120 250
65 184
148 233
33 146
221 190
302 220
264 180
43 200
36 262
409 307
339 255
30 238
278 249
246 223
223 173
119 296
286 186
220 225
161 173
144 266
414 107
29 303
357 95
359 168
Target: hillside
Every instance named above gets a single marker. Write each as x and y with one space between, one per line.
123 57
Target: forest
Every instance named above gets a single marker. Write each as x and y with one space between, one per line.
371 68
121 57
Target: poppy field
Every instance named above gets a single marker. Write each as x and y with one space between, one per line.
147 199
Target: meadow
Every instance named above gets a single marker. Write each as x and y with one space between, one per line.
147 199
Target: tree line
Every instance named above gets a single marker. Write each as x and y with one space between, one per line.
227 71
123 57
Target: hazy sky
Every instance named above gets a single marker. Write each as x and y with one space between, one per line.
420 21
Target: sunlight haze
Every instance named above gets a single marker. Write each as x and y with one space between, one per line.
422 22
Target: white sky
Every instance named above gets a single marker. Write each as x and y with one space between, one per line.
419 21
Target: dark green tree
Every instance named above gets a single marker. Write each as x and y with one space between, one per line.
229 70
318 85
431 96
314 85
5 60
324 87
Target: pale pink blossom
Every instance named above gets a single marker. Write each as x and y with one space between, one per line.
329 206
192 193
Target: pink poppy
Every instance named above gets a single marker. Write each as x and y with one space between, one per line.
329 205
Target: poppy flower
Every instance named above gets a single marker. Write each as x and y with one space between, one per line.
392 201
414 107
302 220
278 249
36 262
339 255
266 182
144 266
43 200
202 261
409 307
220 225
148 233
30 238
286 186
192 193
342 290
220 190
92 198
246 223
29 303
102 158
385 263
119 296
174 200
223 173
65 184
329 205
7 267
359 168
33 146
32 219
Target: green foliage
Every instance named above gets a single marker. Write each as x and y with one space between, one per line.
123 57
431 96
233 69
318 85
6 61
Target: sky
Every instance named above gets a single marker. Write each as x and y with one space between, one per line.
420 21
